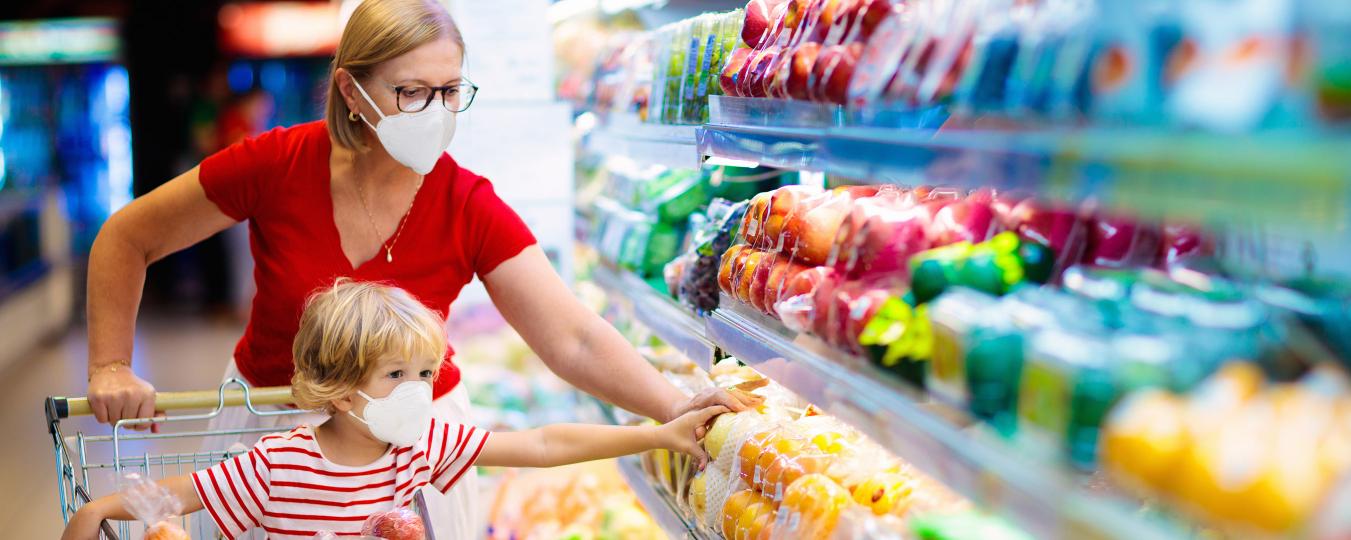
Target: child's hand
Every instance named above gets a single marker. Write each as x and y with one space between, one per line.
682 434
84 525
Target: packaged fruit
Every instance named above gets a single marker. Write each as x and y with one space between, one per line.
154 505
811 507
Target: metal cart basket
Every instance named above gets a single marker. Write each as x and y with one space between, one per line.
89 466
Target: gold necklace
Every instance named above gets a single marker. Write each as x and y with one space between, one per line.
389 246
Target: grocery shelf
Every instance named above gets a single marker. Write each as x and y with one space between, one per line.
1289 178
650 144
1044 498
672 323
658 505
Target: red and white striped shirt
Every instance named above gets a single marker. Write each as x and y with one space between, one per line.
285 485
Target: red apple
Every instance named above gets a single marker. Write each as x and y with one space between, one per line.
871 13
1121 242
823 296
797 298
1060 228
779 279
776 79
759 18
753 85
1181 242
760 279
1003 204
800 69
963 221
783 203
809 234
862 307
879 236
835 79
730 71
399 524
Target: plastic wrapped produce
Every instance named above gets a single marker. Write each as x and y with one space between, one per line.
154 506
397 524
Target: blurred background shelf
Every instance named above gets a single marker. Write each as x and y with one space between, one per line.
658 505
1045 498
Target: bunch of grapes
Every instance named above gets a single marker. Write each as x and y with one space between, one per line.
699 286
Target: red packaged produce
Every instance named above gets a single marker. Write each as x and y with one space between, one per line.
885 45
753 84
851 306
738 269
1058 227
760 17
783 202
800 70
742 280
397 524
760 280
810 232
753 223
823 298
731 72
797 301
1121 242
838 72
1003 204
880 236
1181 242
869 15
726 266
779 277
963 221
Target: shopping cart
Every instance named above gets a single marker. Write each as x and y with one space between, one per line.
85 470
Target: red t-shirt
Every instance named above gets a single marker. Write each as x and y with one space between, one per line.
279 181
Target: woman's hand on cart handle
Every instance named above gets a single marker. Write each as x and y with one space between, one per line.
117 393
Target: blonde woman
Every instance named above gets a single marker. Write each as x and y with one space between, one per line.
366 193
367 355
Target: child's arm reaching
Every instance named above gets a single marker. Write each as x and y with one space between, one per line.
563 444
85 524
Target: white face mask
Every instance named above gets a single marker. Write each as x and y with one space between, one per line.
417 139
402 417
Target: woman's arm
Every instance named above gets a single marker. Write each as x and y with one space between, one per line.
565 444
581 347
85 524
174 216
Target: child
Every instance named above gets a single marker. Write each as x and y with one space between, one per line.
366 354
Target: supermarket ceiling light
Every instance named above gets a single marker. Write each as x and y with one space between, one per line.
716 161
278 29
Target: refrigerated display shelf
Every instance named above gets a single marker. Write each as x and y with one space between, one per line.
1045 498
650 144
657 503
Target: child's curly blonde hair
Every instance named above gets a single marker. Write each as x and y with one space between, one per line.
348 328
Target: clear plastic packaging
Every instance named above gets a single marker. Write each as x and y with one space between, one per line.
397 524
154 506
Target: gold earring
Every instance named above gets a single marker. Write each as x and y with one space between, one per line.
351 116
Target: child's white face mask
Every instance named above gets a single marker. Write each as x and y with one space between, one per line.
402 417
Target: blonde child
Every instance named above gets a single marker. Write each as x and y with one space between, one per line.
366 354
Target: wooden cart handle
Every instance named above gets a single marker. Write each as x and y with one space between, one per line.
62 407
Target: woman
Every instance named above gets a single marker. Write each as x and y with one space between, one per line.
367 193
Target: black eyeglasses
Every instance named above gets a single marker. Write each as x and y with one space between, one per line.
455 98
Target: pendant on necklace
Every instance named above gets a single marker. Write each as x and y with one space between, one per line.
389 256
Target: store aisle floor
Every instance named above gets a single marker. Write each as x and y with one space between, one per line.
174 352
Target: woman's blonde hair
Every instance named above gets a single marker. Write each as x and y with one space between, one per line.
348 328
380 30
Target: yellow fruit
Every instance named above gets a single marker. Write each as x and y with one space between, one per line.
749 523
749 454
717 435
661 462
732 509
887 493
699 494
1144 438
830 442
